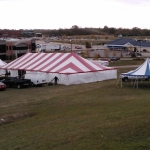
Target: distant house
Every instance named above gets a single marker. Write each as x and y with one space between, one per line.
128 44
27 33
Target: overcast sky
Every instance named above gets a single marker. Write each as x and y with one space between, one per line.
55 14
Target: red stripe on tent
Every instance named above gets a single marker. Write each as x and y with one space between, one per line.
84 62
22 59
33 61
44 60
72 66
26 59
57 58
26 62
14 61
60 62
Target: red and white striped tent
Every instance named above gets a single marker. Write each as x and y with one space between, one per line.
70 68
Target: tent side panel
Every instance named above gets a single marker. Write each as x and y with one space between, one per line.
83 77
2 72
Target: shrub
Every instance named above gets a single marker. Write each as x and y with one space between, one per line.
87 44
133 55
96 56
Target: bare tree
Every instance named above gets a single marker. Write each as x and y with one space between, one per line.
106 54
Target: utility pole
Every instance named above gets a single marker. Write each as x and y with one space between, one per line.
71 45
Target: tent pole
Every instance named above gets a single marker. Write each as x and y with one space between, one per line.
137 83
118 80
134 83
46 76
96 76
121 83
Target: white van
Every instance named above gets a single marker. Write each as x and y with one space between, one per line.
37 78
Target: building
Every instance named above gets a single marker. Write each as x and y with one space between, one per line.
129 44
27 33
10 33
13 48
16 33
39 35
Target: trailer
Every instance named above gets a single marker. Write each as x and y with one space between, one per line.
48 47
37 78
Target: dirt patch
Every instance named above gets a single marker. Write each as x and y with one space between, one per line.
15 116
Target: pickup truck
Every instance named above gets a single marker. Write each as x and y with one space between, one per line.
17 82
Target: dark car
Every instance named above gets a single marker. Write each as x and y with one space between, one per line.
138 54
2 77
2 86
114 58
17 82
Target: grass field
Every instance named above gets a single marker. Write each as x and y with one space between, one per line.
94 116
126 62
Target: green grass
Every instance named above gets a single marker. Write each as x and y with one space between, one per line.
126 62
97 116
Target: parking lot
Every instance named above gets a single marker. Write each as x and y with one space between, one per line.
96 49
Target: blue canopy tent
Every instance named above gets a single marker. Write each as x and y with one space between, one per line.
141 72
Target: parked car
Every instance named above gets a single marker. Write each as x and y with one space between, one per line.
2 77
17 82
78 47
105 59
129 53
65 48
2 86
135 54
114 58
138 54
79 52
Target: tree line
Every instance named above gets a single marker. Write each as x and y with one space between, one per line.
75 30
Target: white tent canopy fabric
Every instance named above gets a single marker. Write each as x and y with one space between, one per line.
68 67
2 63
143 70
